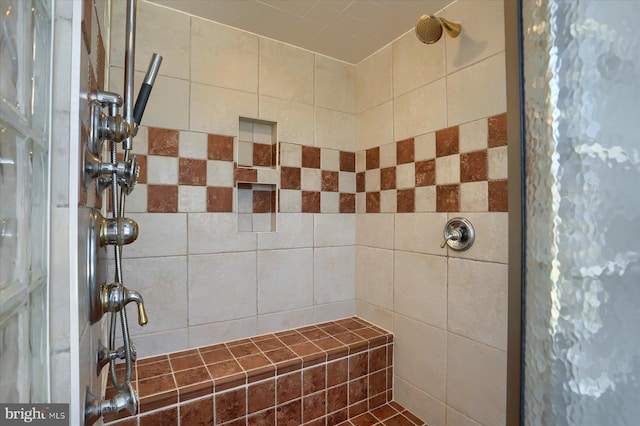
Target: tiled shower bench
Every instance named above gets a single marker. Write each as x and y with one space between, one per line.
334 373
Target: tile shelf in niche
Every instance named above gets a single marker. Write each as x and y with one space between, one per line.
257 143
256 207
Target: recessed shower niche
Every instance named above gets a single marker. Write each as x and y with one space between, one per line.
257 145
256 207
257 175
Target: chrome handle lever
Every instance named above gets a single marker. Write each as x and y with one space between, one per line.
115 296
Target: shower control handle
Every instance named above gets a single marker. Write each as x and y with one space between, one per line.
459 234
95 408
118 231
455 235
115 296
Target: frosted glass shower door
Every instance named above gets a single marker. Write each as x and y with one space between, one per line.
25 68
582 257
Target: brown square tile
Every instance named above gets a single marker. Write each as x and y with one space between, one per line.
164 417
310 201
473 166
372 156
263 418
378 400
337 417
313 333
262 156
405 151
447 141
347 161
337 398
215 354
358 390
498 196
406 200
292 338
158 401
497 130
255 361
244 174
289 177
310 353
131 421
149 360
310 157
413 418
388 178
146 371
262 202
447 198
220 147
156 385
290 414
359 409
162 198
332 328
426 173
289 387
243 349
358 365
219 199
347 203
378 359
225 368
314 406
384 412
261 396
231 405
314 379
373 202
377 382
163 142
337 372
360 182
187 361
330 181
280 355
193 383
197 413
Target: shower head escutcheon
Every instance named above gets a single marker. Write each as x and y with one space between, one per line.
429 28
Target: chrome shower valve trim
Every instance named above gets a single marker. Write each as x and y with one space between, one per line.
106 127
95 408
115 297
126 173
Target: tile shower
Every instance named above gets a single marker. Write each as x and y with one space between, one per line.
351 236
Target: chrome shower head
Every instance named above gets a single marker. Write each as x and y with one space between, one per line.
429 28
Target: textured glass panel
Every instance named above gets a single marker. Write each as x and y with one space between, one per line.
582 107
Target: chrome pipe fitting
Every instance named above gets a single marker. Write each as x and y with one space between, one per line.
126 173
105 355
95 408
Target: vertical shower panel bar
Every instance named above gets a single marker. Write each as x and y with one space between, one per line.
129 67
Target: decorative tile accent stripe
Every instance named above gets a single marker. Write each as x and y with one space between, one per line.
463 181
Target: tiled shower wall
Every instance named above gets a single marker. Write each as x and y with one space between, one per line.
425 123
435 113
203 281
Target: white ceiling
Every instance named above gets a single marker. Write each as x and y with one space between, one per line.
348 30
